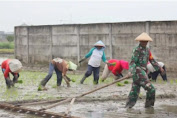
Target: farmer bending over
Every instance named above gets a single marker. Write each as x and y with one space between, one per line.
61 67
12 66
154 74
116 68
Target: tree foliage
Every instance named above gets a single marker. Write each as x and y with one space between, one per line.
10 38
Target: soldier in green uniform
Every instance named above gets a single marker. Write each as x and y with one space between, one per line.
138 68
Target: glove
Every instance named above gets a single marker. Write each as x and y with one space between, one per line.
82 60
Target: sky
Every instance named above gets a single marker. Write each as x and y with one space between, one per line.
52 12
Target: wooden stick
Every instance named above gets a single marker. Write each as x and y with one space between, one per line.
69 107
126 77
56 104
69 99
40 102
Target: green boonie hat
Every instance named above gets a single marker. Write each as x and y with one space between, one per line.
72 66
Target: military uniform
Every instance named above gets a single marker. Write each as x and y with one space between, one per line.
138 68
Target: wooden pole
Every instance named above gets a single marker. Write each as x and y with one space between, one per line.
40 102
69 107
69 99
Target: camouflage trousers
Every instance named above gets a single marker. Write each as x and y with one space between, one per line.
140 79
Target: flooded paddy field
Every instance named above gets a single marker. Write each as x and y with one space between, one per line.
105 103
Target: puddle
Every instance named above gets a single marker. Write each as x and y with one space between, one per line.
110 109
170 108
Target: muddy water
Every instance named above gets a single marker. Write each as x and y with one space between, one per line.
110 109
164 108
7 114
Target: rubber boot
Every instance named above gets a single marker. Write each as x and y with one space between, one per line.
149 103
130 104
83 79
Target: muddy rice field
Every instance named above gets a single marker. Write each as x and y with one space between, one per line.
105 103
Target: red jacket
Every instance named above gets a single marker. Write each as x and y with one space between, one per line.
120 65
5 66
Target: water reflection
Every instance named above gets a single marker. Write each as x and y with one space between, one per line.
149 110
170 108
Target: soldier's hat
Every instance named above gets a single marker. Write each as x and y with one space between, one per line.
143 37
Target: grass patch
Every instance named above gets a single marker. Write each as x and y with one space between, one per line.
20 81
7 45
120 84
126 82
171 81
54 86
5 51
39 88
73 80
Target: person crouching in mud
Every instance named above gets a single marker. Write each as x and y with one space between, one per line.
152 73
12 66
61 67
138 68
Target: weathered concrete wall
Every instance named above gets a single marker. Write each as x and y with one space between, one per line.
39 44
21 44
164 46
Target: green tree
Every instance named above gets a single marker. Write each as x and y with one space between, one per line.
10 38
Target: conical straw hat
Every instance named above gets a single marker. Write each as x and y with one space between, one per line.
99 43
143 37
15 65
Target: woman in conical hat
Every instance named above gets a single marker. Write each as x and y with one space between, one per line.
12 66
96 54
138 68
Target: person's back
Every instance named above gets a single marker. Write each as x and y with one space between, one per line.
152 73
5 63
12 66
116 68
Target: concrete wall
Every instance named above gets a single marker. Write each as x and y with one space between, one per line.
39 44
